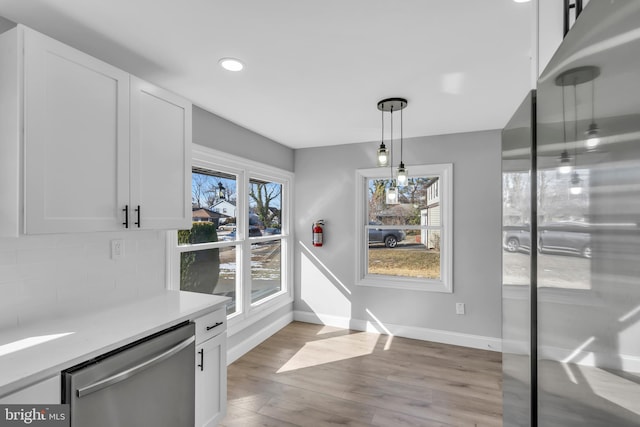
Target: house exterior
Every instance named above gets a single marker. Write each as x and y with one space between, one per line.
431 216
225 207
205 215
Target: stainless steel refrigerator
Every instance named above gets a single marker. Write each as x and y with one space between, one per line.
571 231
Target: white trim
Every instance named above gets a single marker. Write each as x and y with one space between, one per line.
228 161
424 334
445 284
172 262
256 339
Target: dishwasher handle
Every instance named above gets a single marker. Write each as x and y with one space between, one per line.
121 376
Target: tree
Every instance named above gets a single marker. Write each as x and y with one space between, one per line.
377 201
198 189
415 191
265 195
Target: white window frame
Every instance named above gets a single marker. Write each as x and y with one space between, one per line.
445 284
246 313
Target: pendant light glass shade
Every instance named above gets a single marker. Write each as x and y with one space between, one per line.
392 195
565 163
593 133
402 175
576 184
593 136
383 155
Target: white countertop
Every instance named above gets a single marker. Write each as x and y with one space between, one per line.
40 350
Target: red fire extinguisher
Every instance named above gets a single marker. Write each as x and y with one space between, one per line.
318 231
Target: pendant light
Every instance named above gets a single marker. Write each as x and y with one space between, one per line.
593 133
391 197
574 77
575 187
565 160
392 192
390 105
402 171
383 153
576 184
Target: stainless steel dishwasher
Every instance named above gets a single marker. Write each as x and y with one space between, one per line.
148 383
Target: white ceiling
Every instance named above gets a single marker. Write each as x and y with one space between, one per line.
315 70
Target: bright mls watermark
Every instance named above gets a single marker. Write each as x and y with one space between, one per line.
34 415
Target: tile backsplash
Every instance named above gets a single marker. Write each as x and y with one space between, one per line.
68 273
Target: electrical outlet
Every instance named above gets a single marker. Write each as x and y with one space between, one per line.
459 308
117 249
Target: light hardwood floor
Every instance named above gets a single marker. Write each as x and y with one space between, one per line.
313 375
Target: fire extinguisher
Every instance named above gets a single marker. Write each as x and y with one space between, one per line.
318 230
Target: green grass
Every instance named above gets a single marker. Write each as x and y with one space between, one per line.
405 262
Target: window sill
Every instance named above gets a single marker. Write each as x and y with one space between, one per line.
395 282
242 320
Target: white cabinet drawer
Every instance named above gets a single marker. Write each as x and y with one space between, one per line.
210 325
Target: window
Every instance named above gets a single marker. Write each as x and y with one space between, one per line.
238 245
407 244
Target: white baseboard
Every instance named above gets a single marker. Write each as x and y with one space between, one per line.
425 334
254 340
621 362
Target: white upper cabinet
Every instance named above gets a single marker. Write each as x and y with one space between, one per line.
93 148
160 158
76 139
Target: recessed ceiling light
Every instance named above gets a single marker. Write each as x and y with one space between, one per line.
231 64
522 1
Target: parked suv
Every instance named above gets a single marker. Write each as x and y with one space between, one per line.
390 237
571 238
516 238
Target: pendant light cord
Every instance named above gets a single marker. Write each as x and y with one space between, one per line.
575 142
564 121
382 117
401 126
391 147
593 105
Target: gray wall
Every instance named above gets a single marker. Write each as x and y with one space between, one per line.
325 277
6 24
220 134
215 132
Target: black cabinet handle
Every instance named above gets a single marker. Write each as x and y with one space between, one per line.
126 216
201 365
138 222
214 326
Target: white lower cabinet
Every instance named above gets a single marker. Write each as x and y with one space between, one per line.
43 393
211 381
211 369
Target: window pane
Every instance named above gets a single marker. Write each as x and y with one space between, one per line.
419 198
210 271
265 207
266 269
213 201
406 253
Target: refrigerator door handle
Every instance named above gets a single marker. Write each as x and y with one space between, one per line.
121 376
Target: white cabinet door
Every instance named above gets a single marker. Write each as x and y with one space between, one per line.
76 133
160 158
211 381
